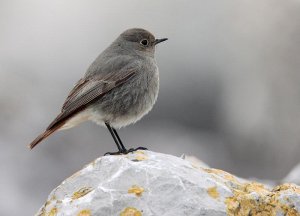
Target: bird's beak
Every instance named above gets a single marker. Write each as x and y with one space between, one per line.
157 41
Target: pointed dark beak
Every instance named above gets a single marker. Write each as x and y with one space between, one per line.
157 41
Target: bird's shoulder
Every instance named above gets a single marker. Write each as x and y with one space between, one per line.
118 63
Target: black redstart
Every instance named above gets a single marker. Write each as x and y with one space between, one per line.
118 89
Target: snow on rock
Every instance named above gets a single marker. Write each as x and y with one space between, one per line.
154 184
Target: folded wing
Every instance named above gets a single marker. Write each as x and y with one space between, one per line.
82 95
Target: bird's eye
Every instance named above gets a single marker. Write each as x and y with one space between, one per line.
144 42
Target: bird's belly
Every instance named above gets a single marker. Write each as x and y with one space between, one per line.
126 105
133 114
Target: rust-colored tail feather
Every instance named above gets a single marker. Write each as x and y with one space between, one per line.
57 123
45 134
40 138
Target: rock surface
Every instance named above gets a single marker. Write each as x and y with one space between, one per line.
294 175
148 183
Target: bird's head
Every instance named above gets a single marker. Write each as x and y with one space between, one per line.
138 39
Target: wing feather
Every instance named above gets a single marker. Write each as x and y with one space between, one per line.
87 90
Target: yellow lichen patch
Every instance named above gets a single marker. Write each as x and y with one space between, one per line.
221 173
213 192
85 212
255 187
287 186
140 152
141 157
43 211
130 211
254 199
81 192
52 212
136 190
47 203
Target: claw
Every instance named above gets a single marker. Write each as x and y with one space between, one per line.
125 151
113 153
140 148
136 149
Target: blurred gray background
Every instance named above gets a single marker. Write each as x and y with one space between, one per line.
230 87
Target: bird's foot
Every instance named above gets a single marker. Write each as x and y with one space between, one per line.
135 149
114 153
125 151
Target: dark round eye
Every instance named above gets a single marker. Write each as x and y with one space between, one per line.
144 42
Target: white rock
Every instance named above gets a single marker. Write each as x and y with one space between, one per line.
194 161
154 184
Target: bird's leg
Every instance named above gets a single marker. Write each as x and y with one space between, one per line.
125 151
119 143
119 140
115 139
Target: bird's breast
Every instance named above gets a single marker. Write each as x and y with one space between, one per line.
128 103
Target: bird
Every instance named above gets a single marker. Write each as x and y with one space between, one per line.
118 89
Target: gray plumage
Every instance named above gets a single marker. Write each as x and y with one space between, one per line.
119 87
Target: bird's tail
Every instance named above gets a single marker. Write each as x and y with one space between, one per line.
44 135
